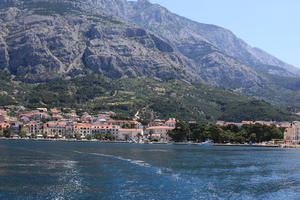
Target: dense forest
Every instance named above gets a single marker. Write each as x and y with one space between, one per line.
228 134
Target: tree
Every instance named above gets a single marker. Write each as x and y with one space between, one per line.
198 132
78 136
144 122
8 133
181 133
139 136
126 126
45 136
1 133
252 137
22 134
98 136
33 135
69 136
110 136
88 137
276 133
213 133
232 128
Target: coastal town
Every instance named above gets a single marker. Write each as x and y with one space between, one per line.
43 123
55 124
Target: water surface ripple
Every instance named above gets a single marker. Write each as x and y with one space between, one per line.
38 170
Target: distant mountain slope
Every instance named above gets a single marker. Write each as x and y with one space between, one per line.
44 40
188 35
223 59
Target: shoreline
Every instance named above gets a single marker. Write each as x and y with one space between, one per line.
261 145
160 143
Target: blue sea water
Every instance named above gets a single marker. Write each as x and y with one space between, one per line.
41 170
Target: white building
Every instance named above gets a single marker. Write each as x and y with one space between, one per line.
159 133
292 133
104 129
130 134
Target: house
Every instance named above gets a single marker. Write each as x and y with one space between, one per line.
292 133
86 117
128 123
72 115
156 122
130 134
55 111
15 124
57 116
283 124
159 133
83 129
35 115
3 112
171 122
42 109
103 129
33 127
266 123
54 128
248 122
223 123
3 116
25 119
4 125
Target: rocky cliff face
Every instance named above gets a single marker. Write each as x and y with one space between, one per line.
42 40
203 38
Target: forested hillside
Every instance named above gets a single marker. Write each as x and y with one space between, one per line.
126 96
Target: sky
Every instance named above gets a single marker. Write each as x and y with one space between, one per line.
271 25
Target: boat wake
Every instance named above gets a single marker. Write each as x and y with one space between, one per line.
139 163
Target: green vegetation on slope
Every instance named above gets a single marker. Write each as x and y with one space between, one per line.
173 98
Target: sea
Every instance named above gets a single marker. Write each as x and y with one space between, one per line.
61 170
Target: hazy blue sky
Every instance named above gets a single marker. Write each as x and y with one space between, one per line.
272 25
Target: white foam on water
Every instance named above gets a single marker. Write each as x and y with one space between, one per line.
140 163
159 171
246 169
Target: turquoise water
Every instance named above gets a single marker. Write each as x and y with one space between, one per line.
38 170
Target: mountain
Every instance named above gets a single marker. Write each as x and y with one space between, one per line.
125 44
194 39
46 40
222 59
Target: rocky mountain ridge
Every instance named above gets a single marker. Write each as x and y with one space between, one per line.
185 33
42 40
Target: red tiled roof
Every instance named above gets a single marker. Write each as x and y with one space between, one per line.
55 110
83 125
4 125
130 130
159 127
56 123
